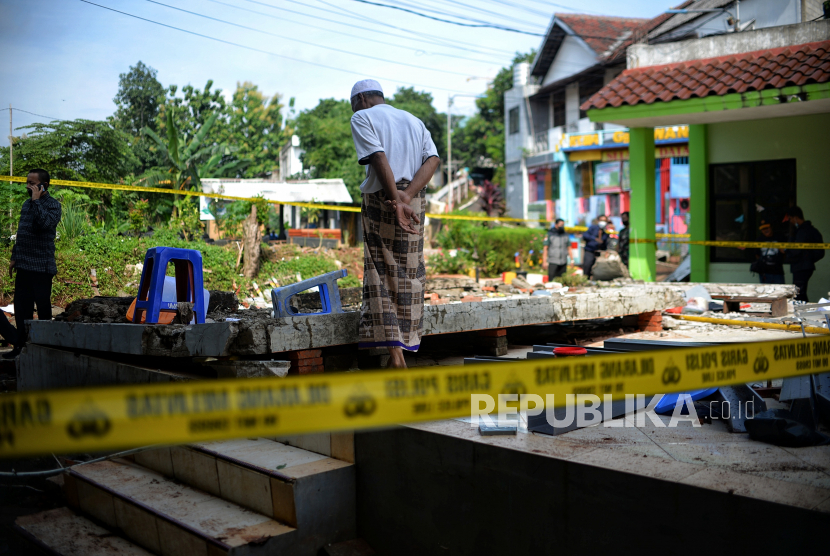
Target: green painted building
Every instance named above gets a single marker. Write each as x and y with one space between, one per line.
758 108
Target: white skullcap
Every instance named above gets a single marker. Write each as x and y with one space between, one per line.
365 85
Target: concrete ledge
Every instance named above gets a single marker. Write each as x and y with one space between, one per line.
287 334
45 368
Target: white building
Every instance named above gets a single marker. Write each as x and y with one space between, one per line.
558 162
290 162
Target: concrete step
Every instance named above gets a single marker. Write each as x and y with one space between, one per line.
337 445
169 518
61 531
306 490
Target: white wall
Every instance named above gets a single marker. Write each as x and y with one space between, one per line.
573 57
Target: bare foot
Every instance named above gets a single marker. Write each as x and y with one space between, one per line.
396 359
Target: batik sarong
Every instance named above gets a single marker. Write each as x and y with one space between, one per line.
394 275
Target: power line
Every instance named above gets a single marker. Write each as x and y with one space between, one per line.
283 19
443 11
307 42
490 12
479 25
419 35
440 41
521 7
253 49
32 113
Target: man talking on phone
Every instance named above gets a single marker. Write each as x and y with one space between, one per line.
33 255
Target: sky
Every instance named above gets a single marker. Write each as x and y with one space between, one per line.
62 58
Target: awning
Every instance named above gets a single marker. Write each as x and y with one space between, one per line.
301 191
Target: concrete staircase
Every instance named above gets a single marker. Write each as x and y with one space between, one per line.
236 497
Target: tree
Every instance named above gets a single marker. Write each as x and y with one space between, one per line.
254 128
326 136
188 159
192 110
81 150
138 99
419 104
482 135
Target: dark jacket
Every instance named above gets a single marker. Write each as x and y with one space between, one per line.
770 261
34 247
623 246
590 237
803 259
558 244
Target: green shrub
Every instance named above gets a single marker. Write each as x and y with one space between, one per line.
496 246
500 244
444 263
110 253
570 278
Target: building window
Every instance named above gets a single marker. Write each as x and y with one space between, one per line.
744 194
514 120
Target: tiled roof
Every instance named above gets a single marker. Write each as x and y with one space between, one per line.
599 31
751 71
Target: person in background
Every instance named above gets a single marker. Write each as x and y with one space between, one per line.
33 256
802 261
557 242
596 239
769 262
622 249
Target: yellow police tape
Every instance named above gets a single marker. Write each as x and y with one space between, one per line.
741 244
142 189
107 418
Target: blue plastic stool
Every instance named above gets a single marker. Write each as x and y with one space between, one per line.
189 283
329 295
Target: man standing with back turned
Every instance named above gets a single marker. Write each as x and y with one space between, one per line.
33 255
401 158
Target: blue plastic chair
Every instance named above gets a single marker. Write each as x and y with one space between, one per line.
329 295
189 282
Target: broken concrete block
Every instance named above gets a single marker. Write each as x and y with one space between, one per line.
222 301
249 369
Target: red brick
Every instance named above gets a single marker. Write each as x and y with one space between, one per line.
488 289
303 354
431 296
650 322
307 362
494 333
471 298
439 301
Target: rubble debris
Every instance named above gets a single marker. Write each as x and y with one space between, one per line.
103 309
97 309
222 301
781 428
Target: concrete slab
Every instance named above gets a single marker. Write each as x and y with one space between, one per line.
43 368
263 336
709 453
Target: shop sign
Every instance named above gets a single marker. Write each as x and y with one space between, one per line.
672 151
599 139
583 140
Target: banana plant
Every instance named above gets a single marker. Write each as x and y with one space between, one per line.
188 161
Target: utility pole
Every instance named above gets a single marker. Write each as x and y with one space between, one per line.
449 152
11 165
